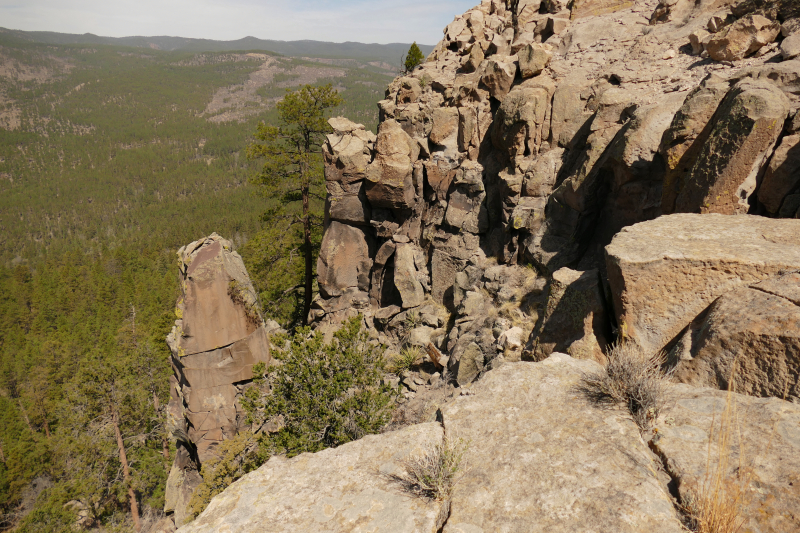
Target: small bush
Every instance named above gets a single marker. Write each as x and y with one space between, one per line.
434 473
630 378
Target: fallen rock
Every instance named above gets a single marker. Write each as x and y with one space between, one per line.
762 454
749 340
344 489
542 459
470 364
724 175
533 58
663 273
742 38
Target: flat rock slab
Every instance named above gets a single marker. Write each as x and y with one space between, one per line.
764 447
542 458
663 273
344 489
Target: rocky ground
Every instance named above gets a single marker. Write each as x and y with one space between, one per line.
557 179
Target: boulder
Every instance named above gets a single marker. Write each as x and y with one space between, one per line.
499 75
444 132
782 176
761 455
686 135
542 459
748 340
533 59
390 176
790 47
344 489
742 38
518 124
725 172
470 364
346 155
344 260
405 277
348 203
663 273
575 320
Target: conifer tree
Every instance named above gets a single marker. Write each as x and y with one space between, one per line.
413 58
293 174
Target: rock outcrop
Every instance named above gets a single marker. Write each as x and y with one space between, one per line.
541 457
218 337
530 137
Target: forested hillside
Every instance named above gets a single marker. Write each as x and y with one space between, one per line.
111 158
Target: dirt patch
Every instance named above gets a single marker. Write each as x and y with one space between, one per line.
237 102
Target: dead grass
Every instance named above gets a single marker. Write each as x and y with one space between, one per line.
718 503
435 473
630 378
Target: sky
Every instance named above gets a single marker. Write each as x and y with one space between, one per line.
366 21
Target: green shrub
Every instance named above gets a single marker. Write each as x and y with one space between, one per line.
403 361
325 394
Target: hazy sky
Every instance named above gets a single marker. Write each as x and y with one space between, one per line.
378 21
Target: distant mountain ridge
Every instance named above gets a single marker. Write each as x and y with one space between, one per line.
384 52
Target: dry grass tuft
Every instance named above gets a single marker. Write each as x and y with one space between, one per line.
408 357
434 473
630 378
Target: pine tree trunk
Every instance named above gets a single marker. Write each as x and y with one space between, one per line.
126 471
309 267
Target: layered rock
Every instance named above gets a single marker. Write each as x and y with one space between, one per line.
218 338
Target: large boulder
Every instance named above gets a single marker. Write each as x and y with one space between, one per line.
344 260
663 273
725 173
344 489
748 340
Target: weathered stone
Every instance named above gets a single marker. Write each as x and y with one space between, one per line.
499 76
790 47
665 272
344 489
724 174
470 364
410 90
445 129
518 124
575 319
389 177
343 126
533 58
511 342
541 176
699 39
405 277
474 60
782 175
686 136
761 453
344 260
443 270
748 339
348 205
542 459
346 157
742 38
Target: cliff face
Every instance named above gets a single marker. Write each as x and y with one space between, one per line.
529 138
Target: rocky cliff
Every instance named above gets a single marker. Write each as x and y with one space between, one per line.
560 177
478 217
